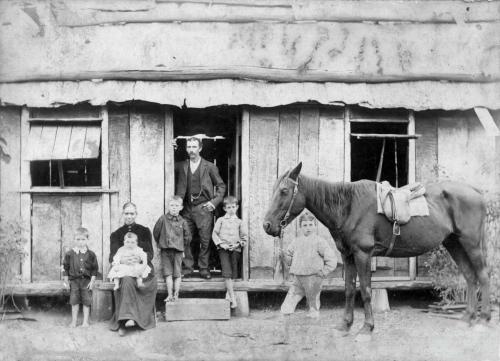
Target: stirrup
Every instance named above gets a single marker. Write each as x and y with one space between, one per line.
396 229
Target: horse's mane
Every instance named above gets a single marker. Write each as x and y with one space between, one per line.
334 197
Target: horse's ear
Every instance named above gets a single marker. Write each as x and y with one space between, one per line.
294 174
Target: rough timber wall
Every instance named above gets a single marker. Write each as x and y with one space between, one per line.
348 51
279 139
465 151
455 146
61 43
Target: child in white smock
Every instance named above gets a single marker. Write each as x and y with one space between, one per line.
130 260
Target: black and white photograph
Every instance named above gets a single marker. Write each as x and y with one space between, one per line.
198 180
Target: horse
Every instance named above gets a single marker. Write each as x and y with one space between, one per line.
456 219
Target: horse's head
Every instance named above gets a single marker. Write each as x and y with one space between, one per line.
287 201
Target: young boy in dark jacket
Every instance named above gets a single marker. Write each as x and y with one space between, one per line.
80 269
172 235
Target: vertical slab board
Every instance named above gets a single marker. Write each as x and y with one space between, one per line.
426 162
147 174
10 165
401 267
92 220
46 236
264 130
309 142
119 161
465 152
71 219
331 160
496 117
288 156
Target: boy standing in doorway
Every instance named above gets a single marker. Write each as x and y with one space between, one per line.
230 237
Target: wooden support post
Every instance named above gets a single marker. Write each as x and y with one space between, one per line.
412 158
380 300
102 305
169 156
25 197
106 212
347 144
245 185
243 308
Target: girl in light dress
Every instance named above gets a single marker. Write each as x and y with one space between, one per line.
129 260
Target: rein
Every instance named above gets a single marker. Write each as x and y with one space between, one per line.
284 221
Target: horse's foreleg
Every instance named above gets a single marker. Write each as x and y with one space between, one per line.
350 292
363 266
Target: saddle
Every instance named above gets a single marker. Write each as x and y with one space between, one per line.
395 203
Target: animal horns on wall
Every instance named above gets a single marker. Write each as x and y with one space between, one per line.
294 174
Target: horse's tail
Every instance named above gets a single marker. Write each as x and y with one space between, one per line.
482 232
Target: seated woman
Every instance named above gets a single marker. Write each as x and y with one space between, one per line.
134 306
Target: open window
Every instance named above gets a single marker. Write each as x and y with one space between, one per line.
64 147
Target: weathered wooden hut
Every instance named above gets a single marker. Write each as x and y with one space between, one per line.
92 94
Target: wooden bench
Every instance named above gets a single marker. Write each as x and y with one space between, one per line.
102 291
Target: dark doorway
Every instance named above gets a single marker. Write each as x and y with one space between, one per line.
222 121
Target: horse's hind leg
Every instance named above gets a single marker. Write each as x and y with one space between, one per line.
475 254
350 292
363 265
465 266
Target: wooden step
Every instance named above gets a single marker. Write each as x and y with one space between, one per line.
189 309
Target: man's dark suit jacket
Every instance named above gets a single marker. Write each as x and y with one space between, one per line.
209 178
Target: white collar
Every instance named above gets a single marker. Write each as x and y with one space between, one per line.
194 165
82 250
227 216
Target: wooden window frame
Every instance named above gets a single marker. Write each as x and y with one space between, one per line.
27 190
26 186
411 136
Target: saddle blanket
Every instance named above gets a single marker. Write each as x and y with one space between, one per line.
418 205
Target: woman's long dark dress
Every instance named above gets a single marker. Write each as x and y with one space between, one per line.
131 302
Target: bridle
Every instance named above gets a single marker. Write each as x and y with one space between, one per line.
284 221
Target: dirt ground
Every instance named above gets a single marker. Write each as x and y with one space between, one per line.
404 333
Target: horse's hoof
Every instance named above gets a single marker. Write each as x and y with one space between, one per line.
342 327
481 326
363 337
340 333
468 318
